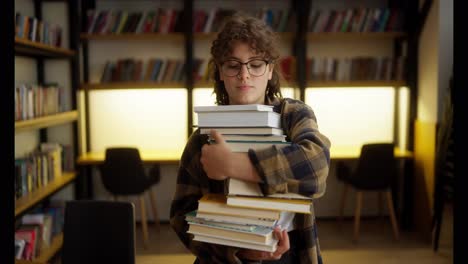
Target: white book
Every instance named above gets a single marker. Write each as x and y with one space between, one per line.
237 219
191 217
236 187
244 130
233 243
255 138
239 119
280 204
244 146
216 204
228 108
260 235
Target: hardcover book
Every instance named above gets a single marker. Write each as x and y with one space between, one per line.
216 203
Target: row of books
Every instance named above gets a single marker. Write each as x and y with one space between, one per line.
40 167
242 216
359 68
121 21
33 29
37 229
35 100
158 70
356 20
355 69
280 20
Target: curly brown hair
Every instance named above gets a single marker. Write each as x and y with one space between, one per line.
261 39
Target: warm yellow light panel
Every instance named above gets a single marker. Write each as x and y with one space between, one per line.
153 119
353 116
403 112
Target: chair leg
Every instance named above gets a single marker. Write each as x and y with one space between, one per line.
343 200
357 215
144 224
380 204
155 211
392 214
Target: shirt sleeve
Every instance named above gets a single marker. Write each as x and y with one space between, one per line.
301 167
189 189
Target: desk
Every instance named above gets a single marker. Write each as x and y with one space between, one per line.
402 189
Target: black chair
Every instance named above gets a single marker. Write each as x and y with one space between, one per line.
123 174
375 171
98 232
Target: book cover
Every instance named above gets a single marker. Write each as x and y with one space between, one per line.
244 146
280 204
191 217
216 203
255 138
237 219
244 130
228 108
239 119
261 234
236 187
271 247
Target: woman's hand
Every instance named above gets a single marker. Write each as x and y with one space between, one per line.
220 163
283 247
217 158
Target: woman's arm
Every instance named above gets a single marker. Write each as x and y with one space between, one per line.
300 168
190 188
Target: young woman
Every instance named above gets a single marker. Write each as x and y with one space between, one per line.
243 63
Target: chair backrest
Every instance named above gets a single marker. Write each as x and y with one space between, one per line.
99 232
122 172
376 165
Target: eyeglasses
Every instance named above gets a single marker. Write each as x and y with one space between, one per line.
255 67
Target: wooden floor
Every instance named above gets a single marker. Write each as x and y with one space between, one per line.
376 244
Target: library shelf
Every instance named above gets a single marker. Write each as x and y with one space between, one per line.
173 36
212 35
354 35
46 121
370 84
131 85
46 254
37 49
29 200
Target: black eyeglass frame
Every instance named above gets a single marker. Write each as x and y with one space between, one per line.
246 65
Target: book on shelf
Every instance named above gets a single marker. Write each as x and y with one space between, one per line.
30 235
20 244
270 247
258 131
45 223
259 235
216 204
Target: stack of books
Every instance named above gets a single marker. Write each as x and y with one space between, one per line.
242 216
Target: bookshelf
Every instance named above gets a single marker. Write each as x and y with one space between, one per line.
50 58
46 121
297 42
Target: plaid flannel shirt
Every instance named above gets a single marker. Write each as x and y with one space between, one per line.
300 168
